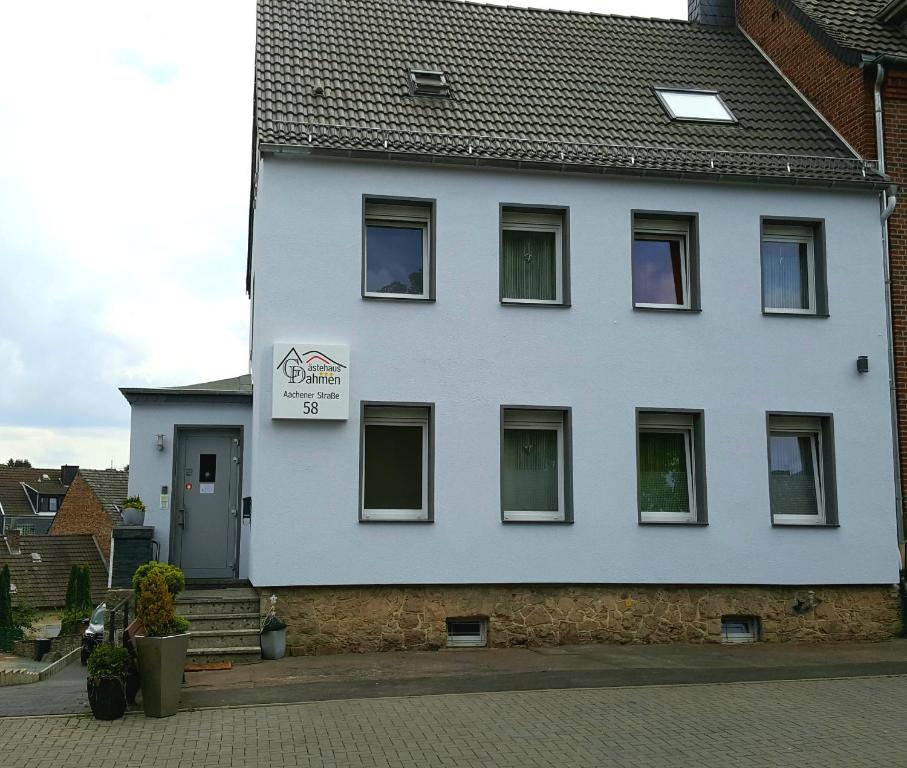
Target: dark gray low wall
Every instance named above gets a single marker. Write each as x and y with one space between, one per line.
131 548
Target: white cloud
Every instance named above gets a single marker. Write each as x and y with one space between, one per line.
94 448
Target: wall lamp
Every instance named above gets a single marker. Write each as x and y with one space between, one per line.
862 364
159 442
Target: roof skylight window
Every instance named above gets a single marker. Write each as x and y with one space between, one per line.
696 106
426 82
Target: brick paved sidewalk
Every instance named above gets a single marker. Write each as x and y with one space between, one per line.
846 723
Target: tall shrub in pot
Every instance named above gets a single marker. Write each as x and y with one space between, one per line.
162 646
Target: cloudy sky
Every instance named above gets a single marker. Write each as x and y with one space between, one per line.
124 172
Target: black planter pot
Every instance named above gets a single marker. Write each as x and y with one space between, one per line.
107 698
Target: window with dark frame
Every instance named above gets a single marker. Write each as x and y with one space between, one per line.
797 448
790 272
395 463
534 465
663 263
532 257
397 251
671 477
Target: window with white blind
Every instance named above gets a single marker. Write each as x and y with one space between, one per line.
535 465
801 469
533 256
793 269
396 465
671 467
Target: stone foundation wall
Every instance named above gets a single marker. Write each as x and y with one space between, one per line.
361 619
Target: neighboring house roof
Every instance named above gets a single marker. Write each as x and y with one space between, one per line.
235 389
854 24
529 87
42 583
13 499
111 488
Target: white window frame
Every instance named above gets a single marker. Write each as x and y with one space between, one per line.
397 416
542 419
666 229
662 423
784 233
801 426
479 640
686 117
517 221
405 217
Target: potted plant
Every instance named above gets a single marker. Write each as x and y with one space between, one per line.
108 666
134 511
161 646
273 634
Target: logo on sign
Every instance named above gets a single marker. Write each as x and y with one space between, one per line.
312 367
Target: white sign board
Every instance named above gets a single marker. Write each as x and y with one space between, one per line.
311 381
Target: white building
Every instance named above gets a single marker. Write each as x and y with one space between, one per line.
556 322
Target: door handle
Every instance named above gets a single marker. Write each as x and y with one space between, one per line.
181 517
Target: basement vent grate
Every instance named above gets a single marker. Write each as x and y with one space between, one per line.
739 629
467 633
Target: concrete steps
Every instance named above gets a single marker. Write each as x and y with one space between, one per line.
223 625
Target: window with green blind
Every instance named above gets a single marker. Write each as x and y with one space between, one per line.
532 261
534 465
671 479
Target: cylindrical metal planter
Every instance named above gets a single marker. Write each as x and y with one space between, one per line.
274 644
161 664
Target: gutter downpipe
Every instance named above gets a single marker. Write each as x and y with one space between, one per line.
889 201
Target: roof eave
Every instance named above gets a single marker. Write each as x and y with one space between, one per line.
874 182
146 395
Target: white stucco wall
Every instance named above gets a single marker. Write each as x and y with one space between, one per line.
149 468
468 354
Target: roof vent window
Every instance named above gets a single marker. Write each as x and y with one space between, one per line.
429 83
696 106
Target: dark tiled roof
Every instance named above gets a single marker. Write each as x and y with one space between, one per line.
43 584
12 495
110 486
854 24
528 85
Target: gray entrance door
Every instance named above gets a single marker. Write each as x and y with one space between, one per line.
205 530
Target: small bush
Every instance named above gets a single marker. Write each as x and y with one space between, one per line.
135 502
173 577
108 662
24 616
155 607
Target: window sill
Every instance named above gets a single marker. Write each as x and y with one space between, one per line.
396 519
414 299
551 304
796 524
695 523
537 521
809 315
682 310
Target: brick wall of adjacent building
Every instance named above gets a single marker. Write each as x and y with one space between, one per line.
81 512
844 95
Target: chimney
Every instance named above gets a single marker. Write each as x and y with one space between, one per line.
12 542
68 473
714 13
